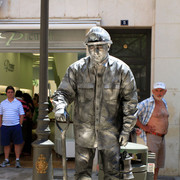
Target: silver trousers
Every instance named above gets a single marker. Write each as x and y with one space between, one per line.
108 161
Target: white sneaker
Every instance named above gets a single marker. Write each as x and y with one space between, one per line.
17 165
5 163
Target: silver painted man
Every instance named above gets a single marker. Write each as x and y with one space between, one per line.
102 88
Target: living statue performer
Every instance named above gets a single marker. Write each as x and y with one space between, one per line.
103 89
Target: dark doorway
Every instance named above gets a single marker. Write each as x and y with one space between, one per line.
133 46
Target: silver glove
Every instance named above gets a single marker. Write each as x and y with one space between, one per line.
60 115
123 138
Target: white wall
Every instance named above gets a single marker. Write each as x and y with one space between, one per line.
9 68
62 62
15 71
138 12
25 72
166 68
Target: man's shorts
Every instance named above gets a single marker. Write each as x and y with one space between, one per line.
156 144
11 134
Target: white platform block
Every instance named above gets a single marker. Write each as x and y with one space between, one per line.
70 147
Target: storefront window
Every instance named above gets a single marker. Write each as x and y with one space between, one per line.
20 59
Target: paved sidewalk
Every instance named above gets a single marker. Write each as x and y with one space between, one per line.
168 178
10 173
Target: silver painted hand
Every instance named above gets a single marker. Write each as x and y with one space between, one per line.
60 116
123 139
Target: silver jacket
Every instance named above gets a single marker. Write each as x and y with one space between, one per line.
105 101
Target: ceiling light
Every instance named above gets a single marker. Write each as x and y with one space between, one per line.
36 54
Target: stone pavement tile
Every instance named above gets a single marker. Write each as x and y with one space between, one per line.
9 173
58 173
177 178
168 178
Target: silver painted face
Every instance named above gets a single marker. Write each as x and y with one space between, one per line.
98 53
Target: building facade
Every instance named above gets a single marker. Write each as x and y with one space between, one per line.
145 35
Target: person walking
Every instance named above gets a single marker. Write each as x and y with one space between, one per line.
26 146
101 87
11 119
153 121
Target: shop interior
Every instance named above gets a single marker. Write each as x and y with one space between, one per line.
21 70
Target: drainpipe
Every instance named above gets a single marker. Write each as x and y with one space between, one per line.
42 147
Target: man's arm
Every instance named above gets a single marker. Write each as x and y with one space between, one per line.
140 125
146 128
0 120
21 119
21 113
129 104
64 95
